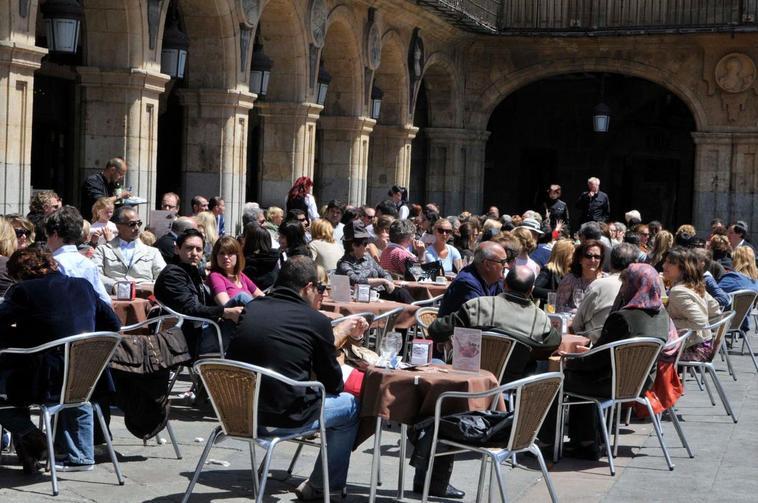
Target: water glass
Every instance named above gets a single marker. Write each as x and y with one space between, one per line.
391 345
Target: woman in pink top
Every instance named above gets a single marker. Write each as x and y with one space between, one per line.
229 285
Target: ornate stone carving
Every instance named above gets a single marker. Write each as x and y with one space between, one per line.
735 73
317 22
373 46
246 33
416 56
248 12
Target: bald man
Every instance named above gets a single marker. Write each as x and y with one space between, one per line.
483 276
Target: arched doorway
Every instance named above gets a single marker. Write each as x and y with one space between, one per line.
543 133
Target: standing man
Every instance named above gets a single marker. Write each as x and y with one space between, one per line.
107 183
555 209
199 203
593 204
216 206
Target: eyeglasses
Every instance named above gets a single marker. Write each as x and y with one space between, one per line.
320 288
445 231
23 232
502 262
133 224
592 256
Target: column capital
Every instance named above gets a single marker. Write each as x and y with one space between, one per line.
724 138
131 78
362 125
456 135
225 98
289 110
23 58
406 132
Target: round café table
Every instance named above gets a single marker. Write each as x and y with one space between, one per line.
131 311
406 319
406 396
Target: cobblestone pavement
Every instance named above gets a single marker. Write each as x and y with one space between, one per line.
723 468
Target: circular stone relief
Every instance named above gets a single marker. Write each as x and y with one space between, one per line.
318 15
248 10
374 47
735 72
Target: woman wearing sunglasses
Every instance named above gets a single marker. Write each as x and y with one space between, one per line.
24 230
586 267
441 250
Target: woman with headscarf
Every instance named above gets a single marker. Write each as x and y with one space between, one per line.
300 197
638 312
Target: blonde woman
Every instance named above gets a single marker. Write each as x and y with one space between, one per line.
744 276
447 254
664 241
528 245
325 252
24 230
556 268
8 243
207 221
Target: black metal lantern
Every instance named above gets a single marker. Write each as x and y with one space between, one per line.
601 114
175 45
322 85
376 102
63 20
260 71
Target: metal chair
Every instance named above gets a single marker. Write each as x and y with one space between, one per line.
742 304
496 350
433 302
150 327
679 342
631 361
196 320
532 398
719 330
381 324
85 357
234 390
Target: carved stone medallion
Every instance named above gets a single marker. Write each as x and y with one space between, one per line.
735 73
248 12
317 18
374 47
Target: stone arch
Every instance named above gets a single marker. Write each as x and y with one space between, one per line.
282 34
115 34
341 56
440 78
392 79
502 88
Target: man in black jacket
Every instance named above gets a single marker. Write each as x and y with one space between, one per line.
284 332
555 209
180 287
104 184
593 204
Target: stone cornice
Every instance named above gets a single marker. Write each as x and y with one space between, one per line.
26 58
225 98
456 134
406 132
286 110
362 124
725 138
133 78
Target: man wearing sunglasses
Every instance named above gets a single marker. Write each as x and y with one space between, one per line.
481 278
126 258
284 332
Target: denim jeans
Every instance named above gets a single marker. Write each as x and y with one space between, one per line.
341 416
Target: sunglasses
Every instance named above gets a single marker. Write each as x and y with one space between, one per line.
136 223
23 232
445 231
502 262
320 288
592 256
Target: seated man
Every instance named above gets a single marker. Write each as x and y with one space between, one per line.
481 278
180 287
126 258
165 243
284 332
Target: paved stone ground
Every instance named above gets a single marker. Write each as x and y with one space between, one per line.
723 468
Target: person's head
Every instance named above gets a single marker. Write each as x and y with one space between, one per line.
492 226
588 259
382 228
443 231
590 231
640 288
334 210
299 217
489 260
654 226
275 215
643 232
170 202
736 233
115 170
300 274
682 266
468 233
526 238
632 218
63 227
322 230
614 230
216 205
355 239
398 194
128 224
493 212
147 237
717 226
23 228
560 257
387 208
520 280
189 247
207 221
554 192
720 247
622 255
349 214
102 210
743 260
257 239
181 224
227 258
199 204
402 232
291 236
511 244
367 214
664 241
8 240
593 184
30 263
250 213
684 239
300 188
44 202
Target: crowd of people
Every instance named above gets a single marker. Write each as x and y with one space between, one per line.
618 279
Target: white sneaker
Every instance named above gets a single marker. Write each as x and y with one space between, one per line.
69 467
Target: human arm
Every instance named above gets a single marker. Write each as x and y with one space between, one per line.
99 259
217 286
713 288
455 258
349 329
157 264
310 202
174 289
685 311
250 286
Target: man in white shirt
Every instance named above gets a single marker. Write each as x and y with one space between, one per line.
334 211
126 258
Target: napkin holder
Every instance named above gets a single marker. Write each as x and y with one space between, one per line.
125 290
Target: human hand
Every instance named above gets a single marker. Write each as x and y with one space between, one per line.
107 233
124 195
389 285
559 225
233 313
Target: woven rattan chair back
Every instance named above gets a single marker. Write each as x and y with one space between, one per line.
742 303
719 331
496 351
532 404
633 363
232 391
425 317
87 359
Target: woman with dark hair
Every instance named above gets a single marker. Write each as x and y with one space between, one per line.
43 306
399 196
586 267
229 285
292 240
300 197
465 241
261 261
721 250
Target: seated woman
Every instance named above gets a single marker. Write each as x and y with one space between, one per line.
382 237
465 241
292 240
526 235
43 306
396 255
229 285
440 250
358 265
690 305
641 315
261 260
586 267
744 276
556 268
324 250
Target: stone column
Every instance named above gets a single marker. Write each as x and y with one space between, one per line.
215 148
343 160
726 179
455 168
17 65
288 147
390 160
120 119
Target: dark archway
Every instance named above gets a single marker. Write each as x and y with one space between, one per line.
543 134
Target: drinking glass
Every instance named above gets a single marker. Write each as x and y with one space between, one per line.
550 305
391 345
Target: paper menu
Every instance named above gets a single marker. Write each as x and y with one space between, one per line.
340 288
467 349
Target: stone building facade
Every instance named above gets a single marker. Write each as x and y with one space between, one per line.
400 46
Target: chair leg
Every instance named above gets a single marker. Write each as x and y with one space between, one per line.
401 468
45 416
679 431
482 476
201 462
746 341
266 466
108 442
693 373
500 482
721 393
616 432
430 465
658 432
548 481
254 469
607 441
375 460
629 413
729 367
559 418
707 386
294 459
171 435
325 464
